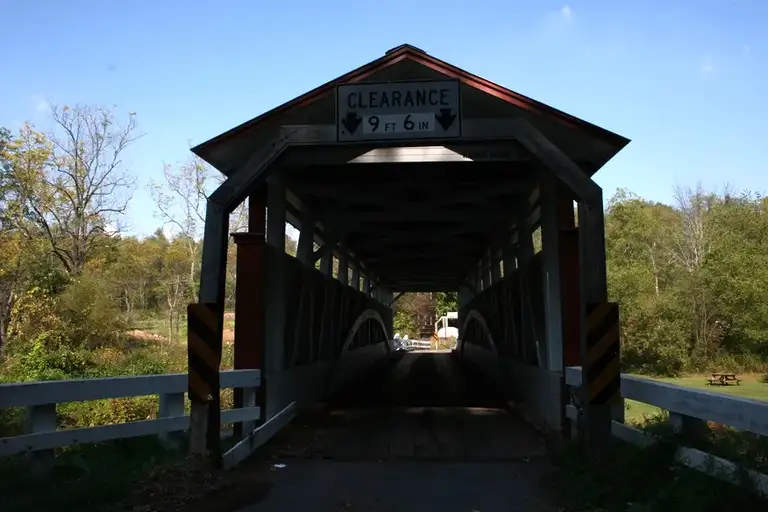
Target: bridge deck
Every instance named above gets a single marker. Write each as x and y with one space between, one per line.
421 432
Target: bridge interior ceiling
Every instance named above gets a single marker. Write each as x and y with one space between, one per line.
419 226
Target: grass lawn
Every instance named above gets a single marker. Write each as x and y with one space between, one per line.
750 387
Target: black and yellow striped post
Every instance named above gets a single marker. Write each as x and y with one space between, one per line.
603 368
204 335
601 371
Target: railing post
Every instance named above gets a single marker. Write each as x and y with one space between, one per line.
249 400
573 424
204 334
687 426
171 405
41 418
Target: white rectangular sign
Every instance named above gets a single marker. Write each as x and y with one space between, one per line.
398 110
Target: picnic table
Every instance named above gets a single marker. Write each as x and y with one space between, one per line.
723 379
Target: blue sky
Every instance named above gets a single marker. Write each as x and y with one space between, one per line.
685 80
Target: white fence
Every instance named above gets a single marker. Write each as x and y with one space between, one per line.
40 399
418 344
689 409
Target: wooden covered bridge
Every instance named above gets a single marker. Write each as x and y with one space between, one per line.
407 174
416 176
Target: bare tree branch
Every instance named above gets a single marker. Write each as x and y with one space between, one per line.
83 187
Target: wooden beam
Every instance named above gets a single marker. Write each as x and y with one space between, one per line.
355 275
480 151
214 265
343 275
231 193
332 237
439 254
348 219
304 251
319 144
557 162
352 194
495 268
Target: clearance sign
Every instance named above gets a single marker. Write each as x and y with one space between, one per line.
398 110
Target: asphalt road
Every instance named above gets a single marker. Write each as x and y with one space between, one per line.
422 432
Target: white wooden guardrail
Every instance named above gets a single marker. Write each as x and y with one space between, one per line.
418 344
40 399
689 410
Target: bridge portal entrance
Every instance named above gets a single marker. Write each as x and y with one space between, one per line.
410 174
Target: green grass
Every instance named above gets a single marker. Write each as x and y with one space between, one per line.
633 479
127 475
750 387
744 448
84 478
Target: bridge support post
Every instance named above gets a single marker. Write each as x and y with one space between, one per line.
355 276
528 346
250 303
275 299
508 257
465 296
487 264
204 336
551 196
204 412
305 248
343 275
478 272
495 266
326 263
598 414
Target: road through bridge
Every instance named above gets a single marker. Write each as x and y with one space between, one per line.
419 431
413 175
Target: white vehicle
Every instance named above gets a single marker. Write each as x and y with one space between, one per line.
443 329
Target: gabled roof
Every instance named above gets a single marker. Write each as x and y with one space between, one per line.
215 150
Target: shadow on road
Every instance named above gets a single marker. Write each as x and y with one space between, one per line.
416 406
418 432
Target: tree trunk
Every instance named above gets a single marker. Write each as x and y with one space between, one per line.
6 305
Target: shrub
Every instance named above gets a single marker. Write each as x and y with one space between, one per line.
91 316
34 318
107 412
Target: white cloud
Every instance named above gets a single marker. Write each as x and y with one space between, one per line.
41 104
557 24
746 49
707 67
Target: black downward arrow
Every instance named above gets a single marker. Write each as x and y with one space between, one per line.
351 122
445 118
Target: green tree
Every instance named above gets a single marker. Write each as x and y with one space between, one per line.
445 302
72 183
